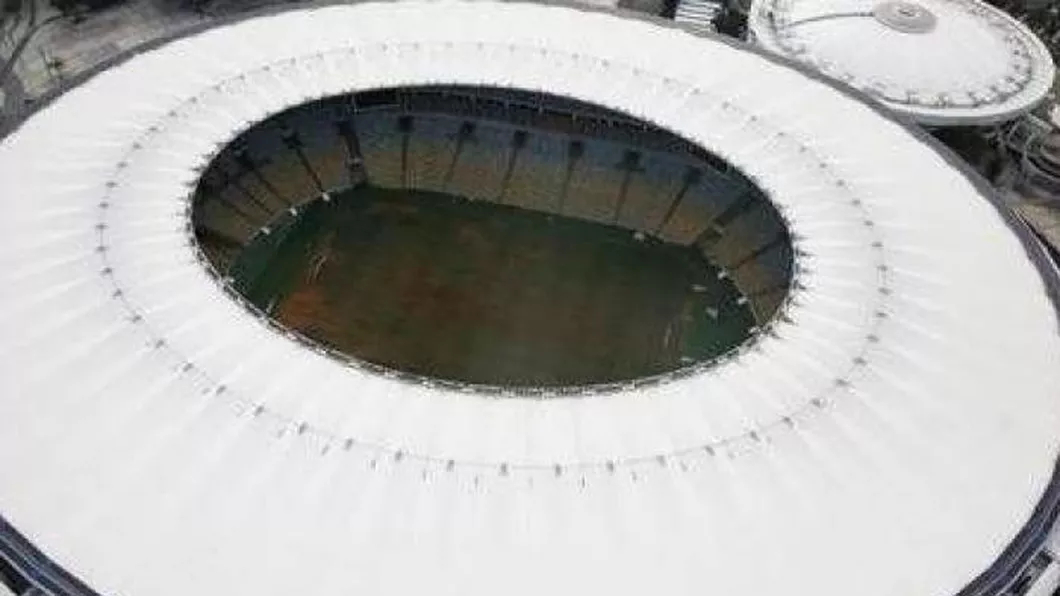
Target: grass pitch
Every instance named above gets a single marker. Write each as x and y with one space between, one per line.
477 292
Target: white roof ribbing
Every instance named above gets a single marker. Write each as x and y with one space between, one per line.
942 62
156 438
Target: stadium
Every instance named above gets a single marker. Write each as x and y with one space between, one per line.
974 64
390 297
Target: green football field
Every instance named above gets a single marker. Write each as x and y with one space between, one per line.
463 290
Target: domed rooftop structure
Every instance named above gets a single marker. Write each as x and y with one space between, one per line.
940 62
890 431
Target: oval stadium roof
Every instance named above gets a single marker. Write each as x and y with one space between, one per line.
892 433
941 62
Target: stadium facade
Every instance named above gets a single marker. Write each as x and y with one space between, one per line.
889 429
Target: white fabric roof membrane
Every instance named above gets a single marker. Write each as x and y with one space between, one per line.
942 62
890 434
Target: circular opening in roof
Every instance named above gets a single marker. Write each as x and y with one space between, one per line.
906 17
493 237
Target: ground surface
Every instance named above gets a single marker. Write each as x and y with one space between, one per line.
450 288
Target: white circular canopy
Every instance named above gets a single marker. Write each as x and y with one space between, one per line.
889 434
942 62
